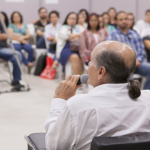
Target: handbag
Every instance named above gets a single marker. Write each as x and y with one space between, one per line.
52 46
74 45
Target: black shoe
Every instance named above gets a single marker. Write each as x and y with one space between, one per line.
16 84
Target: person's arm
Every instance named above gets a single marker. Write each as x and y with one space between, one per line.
27 36
35 21
111 37
85 53
59 126
39 32
10 32
147 44
73 36
3 37
140 49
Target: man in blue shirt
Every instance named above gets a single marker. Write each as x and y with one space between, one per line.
133 39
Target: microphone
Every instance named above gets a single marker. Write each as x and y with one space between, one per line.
83 79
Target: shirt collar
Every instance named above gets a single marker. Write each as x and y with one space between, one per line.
121 87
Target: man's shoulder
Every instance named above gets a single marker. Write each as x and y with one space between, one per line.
77 103
114 32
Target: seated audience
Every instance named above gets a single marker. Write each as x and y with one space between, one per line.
85 14
39 28
81 22
51 30
115 107
90 38
101 22
144 24
130 20
108 28
146 41
7 54
112 15
133 39
19 34
68 43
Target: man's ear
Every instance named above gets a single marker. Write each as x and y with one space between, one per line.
101 72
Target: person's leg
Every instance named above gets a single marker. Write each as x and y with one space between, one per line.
144 70
7 54
76 64
41 42
28 48
19 48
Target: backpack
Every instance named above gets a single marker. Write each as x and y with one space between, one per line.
41 64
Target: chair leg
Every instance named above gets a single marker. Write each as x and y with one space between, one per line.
29 148
68 69
60 72
10 70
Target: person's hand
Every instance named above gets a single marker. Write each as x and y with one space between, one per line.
24 42
138 64
67 88
54 40
22 38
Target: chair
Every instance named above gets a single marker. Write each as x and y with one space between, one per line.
145 32
137 30
10 67
36 141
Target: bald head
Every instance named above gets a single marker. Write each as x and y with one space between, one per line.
122 50
119 60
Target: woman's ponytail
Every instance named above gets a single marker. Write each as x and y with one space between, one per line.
134 89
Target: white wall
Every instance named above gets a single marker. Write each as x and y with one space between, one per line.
29 8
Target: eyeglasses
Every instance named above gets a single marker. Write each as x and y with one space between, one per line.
93 20
72 18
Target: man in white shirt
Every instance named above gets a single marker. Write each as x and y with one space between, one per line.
143 24
115 107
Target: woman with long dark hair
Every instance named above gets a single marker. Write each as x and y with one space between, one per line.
68 43
91 37
106 19
112 14
85 14
19 34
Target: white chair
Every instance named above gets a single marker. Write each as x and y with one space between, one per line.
137 30
145 32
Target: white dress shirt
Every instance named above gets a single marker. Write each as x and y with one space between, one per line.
142 25
51 31
106 110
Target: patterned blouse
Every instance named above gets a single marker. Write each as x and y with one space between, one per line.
87 43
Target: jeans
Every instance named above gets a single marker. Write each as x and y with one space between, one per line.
41 43
27 48
7 54
144 70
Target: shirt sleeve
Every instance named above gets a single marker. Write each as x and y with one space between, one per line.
60 133
11 26
110 37
140 49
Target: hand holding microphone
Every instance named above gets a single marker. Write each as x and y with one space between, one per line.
67 88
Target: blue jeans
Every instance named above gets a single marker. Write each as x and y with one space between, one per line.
144 70
41 42
7 54
27 48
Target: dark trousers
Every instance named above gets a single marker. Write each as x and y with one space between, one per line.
7 54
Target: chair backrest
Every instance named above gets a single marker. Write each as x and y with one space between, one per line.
145 32
130 142
31 28
136 29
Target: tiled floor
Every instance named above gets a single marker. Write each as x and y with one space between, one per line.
23 113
